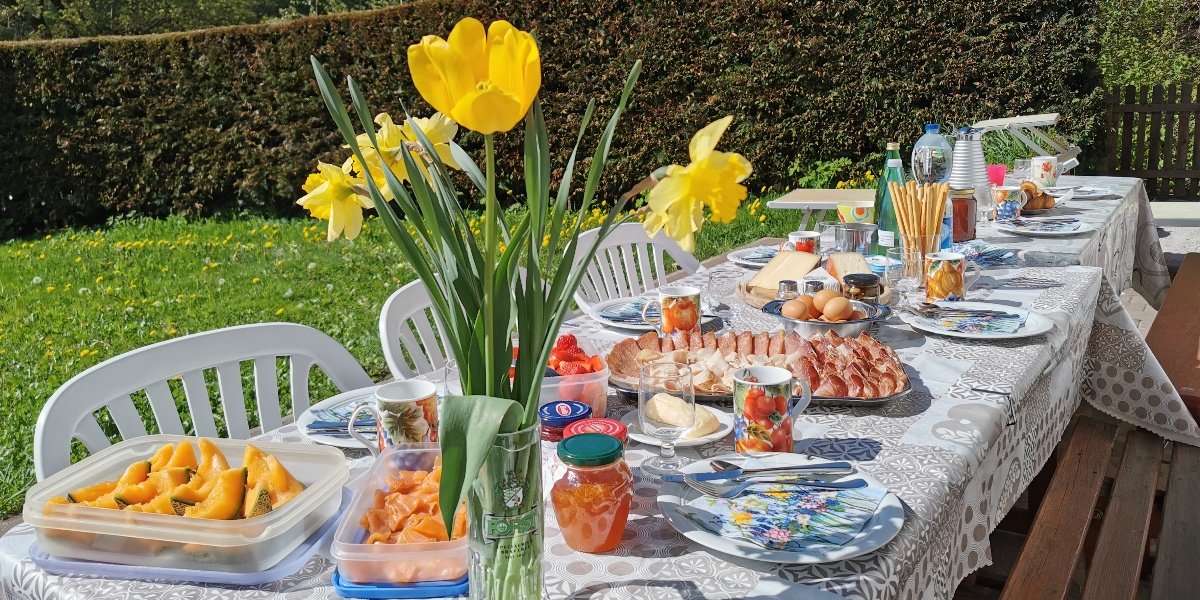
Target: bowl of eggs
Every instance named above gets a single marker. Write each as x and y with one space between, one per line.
825 311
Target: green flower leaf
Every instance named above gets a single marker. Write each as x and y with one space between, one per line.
466 431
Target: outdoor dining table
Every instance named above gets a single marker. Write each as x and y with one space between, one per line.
981 420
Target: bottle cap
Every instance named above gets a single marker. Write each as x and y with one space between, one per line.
590 449
561 413
893 145
611 427
895 163
932 128
812 287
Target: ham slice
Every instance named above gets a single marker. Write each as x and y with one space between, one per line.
727 343
761 343
832 386
791 342
680 339
649 341
775 347
695 341
667 344
745 343
710 341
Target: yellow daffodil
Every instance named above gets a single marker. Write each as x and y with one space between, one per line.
713 179
394 139
336 198
485 82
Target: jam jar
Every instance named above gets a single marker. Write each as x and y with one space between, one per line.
556 415
591 500
863 287
965 207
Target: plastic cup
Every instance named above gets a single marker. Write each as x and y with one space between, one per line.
856 212
996 174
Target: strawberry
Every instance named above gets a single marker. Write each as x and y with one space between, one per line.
570 367
596 363
558 355
567 342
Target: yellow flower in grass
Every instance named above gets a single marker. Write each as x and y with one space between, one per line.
486 82
335 197
393 139
713 179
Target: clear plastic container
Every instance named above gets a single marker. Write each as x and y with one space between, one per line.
236 546
932 157
590 389
361 563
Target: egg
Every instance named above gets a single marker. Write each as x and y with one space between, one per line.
794 309
857 315
823 297
812 308
838 309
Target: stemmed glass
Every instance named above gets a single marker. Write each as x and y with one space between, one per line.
672 379
722 288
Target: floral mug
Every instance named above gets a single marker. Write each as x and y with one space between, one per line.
945 276
405 412
679 306
1007 201
764 409
803 241
1044 171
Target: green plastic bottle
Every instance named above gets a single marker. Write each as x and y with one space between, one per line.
888 234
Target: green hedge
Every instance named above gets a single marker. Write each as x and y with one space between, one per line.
228 120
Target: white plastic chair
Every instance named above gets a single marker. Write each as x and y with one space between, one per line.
410 308
628 262
69 415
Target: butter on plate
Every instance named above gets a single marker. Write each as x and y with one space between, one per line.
672 410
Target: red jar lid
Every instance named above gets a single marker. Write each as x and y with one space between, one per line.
598 425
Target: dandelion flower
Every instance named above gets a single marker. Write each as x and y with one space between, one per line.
49 288
312 266
268 245
221 281
255 280
288 293
37 281
171 332
279 312
78 259
128 309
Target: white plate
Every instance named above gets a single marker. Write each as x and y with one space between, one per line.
1083 228
1088 193
878 531
1061 190
740 257
1035 324
599 307
307 417
632 425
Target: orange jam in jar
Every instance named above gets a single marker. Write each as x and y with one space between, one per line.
591 500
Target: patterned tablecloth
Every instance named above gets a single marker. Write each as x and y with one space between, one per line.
980 423
1125 243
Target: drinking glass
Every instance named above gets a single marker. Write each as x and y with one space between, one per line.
673 379
451 380
827 244
903 271
722 289
1023 168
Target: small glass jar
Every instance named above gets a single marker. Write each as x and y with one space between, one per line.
863 287
556 415
964 217
788 290
591 500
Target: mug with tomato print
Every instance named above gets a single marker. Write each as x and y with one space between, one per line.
764 408
680 309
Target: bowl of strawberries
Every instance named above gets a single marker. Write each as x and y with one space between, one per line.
576 372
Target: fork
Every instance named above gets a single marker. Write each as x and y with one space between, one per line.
732 490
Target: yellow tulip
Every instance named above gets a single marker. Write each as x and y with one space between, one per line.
336 197
485 82
713 179
393 139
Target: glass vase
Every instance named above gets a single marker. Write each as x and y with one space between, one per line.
504 512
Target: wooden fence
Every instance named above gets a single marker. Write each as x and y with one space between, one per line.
1154 133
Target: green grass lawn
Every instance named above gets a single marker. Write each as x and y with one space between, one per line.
78 297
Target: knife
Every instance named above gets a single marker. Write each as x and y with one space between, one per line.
833 468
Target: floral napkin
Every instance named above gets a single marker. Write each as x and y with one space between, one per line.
788 518
975 323
760 254
1048 226
628 311
986 255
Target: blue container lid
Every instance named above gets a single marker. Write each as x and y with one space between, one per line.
561 413
427 589
933 128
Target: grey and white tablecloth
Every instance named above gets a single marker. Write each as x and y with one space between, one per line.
958 451
1125 244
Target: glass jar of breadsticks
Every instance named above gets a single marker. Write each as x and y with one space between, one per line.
919 211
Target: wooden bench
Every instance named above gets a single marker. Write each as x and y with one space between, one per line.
1175 335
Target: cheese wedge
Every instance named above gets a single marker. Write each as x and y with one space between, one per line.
672 410
786 265
845 263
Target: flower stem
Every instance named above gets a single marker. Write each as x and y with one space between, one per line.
491 255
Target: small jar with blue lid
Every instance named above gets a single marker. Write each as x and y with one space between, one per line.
557 415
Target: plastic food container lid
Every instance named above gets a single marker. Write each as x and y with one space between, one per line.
431 589
861 280
590 449
611 427
563 412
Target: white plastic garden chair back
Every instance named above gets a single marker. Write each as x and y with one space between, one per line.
410 308
628 262
68 415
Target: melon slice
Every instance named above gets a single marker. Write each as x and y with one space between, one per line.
162 457
136 494
258 501
185 497
226 499
212 463
160 505
184 456
92 492
134 474
168 479
105 501
255 461
283 486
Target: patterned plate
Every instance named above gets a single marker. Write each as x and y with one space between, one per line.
879 530
753 258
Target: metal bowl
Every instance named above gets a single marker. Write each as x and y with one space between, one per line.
875 313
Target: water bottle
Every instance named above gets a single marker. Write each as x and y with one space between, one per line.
888 232
932 157
948 224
